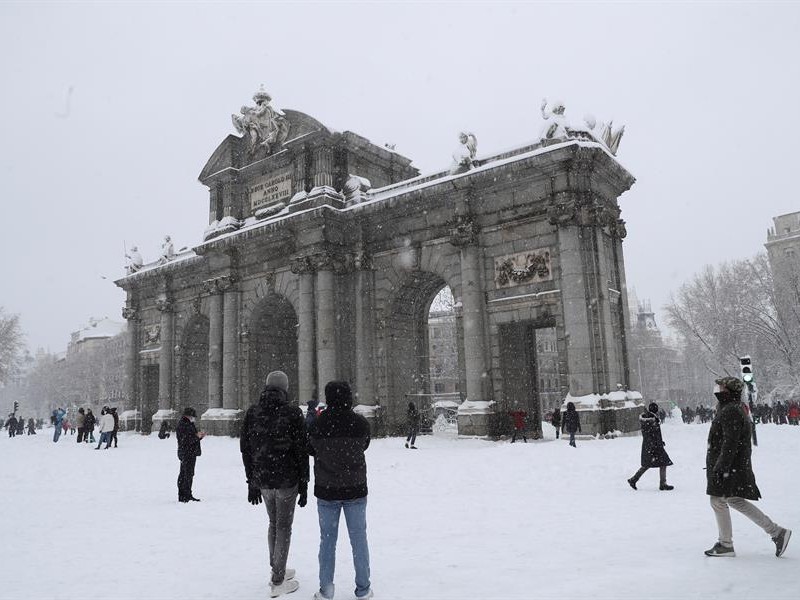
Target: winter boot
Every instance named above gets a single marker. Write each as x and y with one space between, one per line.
720 550
781 541
632 482
286 587
665 486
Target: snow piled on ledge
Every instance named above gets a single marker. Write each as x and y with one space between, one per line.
221 414
476 407
609 401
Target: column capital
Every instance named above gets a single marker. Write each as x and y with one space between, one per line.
165 304
362 261
465 231
217 285
131 313
584 209
301 264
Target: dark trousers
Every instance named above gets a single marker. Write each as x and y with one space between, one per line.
81 434
640 472
185 478
412 434
521 432
113 438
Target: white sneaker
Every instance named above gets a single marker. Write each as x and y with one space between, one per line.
318 596
287 587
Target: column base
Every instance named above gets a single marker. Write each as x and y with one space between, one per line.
164 414
221 421
130 420
476 418
608 415
373 414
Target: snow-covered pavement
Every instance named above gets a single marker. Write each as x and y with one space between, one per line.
456 519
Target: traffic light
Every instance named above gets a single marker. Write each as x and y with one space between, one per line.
16 405
746 366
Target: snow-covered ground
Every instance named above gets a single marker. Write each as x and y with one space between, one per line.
456 519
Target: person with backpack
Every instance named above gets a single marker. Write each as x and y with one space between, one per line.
273 444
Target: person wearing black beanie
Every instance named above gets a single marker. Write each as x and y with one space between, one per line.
338 439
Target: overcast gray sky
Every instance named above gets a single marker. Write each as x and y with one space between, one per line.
109 112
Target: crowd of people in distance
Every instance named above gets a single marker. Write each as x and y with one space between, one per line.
84 425
778 413
19 426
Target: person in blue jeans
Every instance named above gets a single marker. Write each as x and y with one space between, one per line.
338 439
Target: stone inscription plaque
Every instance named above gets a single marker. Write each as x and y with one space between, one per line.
522 268
270 189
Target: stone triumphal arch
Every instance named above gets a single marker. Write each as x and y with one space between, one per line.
324 252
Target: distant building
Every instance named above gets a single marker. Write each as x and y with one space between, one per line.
658 366
783 251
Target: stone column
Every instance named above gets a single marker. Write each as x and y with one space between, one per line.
230 348
131 315
165 356
323 167
306 369
326 324
215 348
365 385
474 413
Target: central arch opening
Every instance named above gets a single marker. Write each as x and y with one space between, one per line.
426 365
193 382
273 345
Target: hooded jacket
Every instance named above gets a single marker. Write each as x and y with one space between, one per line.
729 470
273 442
188 442
338 439
653 453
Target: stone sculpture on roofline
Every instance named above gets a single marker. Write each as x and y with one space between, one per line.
464 155
167 251
264 125
135 261
557 127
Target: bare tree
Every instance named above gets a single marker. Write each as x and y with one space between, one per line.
730 310
10 345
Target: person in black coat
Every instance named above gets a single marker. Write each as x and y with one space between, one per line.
274 446
338 441
571 423
555 419
729 471
412 416
88 426
188 451
653 453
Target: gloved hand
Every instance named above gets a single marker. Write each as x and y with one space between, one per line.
253 495
302 489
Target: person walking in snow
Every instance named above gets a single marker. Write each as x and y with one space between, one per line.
653 453
519 424
412 417
106 426
273 444
58 419
113 436
31 426
571 423
11 425
555 419
88 427
80 421
163 431
729 471
188 451
21 426
338 441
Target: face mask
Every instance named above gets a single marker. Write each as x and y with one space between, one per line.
191 419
